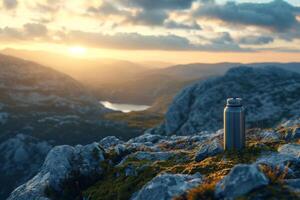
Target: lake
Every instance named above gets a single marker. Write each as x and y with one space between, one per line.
126 108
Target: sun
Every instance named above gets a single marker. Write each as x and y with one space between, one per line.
77 51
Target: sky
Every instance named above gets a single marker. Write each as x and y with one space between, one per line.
176 31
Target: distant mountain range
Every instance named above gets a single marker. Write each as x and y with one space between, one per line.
128 82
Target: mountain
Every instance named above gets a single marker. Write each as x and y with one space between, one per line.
89 71
156 167
133 83
270 95
49 105
41 107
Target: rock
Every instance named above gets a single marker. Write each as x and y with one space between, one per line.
291 123
130 171
110 141
20 158
276 159
241 180
146 138
296 133
290 150
120 149
269 136
199 107
58 166
293 185
167 186
209 149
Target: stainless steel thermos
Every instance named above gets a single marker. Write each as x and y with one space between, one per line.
234 124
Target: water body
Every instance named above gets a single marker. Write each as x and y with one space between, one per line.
126 108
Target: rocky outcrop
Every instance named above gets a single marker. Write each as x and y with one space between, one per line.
167 186
290 150
241 180
211 148
20 158
270 95
59 165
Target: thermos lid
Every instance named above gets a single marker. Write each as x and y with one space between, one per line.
234 102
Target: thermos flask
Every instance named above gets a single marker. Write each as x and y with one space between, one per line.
234 124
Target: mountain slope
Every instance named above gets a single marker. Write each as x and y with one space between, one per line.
38 107
270 94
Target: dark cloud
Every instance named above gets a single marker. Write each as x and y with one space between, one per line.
256 40
132 41
276 15
175 25
8 33
106 8
135 41
158 4
35 30
28 32
10 4
149 18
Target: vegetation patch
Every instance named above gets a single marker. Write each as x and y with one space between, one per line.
138 119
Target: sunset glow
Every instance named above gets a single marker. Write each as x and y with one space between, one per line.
77 51
163 29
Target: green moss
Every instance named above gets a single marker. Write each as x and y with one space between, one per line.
115 185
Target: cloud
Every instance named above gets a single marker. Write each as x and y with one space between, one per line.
150 18
170 24
10 4
50 6
106 8
29 31
35 30
276 15
135 41
158 4
130 41
256 40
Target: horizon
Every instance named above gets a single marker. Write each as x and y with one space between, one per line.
202 31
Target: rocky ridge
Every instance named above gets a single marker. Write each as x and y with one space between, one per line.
166 167
269 93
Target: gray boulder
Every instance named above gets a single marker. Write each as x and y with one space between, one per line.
167 186
293 185
290 150
269 136
58 166
110 141
241 180
21 157
147 137
296 133
209 149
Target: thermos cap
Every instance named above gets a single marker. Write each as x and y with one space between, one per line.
234 102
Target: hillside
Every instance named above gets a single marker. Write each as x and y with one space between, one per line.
133 83
270 95
39 108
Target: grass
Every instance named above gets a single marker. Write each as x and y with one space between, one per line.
140 119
